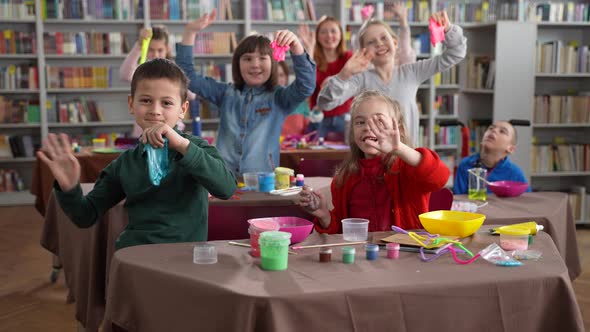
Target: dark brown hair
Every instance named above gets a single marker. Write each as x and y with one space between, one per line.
350 165
252 44
318 50
159 32
157 69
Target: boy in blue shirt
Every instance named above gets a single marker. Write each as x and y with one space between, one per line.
498 142
176 209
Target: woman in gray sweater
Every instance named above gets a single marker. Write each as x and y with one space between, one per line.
378 47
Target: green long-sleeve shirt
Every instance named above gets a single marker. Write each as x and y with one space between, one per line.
174 211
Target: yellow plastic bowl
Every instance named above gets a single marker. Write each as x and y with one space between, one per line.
455 223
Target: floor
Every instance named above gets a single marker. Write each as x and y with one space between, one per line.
30 302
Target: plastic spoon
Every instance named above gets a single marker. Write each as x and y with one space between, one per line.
480 177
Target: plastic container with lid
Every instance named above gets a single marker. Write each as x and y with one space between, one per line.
325 255
392 250
514 238
274 250
283 175
348 254
266 182
258 226
372 251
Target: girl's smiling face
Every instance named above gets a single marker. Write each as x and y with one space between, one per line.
329 35
255 68
380 43
370 108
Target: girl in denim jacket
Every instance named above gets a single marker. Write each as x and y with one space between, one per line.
254 107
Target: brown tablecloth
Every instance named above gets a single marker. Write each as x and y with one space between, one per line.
550 209
291 158
85 254
158 288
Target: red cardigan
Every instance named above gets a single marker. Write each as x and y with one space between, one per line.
409 187
332 69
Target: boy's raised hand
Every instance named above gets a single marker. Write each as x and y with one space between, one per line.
386 132
286 37
155 136
358 63
57 154
442 19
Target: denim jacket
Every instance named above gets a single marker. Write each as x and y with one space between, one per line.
250 120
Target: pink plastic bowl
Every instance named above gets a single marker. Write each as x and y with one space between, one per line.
508 188
298 227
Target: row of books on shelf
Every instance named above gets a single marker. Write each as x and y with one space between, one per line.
447 77
479 12
17 42
447 135
560 158
11 181
17 9
283 10
417 10
559 56
79 110
189 9
447 104
579 201
13 146
19 111
562 109
554 11
219 72
13 77
210 42
92 9
480 72
81 77
70 43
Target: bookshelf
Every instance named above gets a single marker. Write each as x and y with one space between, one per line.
561 115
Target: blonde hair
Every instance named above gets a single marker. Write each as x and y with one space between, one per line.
350 165
369 24
318 51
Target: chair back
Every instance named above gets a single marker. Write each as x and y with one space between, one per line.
318 167
440 200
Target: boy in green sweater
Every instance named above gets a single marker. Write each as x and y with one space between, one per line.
174 211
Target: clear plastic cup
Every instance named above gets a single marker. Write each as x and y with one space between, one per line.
251 181
355 229
274 250
204 253
257 227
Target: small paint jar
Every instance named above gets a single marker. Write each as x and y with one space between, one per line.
348 254
299 180
325 255
371 251
392 250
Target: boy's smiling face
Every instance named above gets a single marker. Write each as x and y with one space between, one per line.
157 101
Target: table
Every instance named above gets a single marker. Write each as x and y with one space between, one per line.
91 164
158 288
85 254
550 209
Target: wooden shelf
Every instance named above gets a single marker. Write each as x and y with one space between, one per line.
16 198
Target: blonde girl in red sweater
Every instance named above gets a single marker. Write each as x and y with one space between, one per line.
383 179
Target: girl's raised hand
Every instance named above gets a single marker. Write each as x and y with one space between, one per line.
307 37
202 22
57 154
442 19
358 63
145 33
386 130
401 12
286 37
